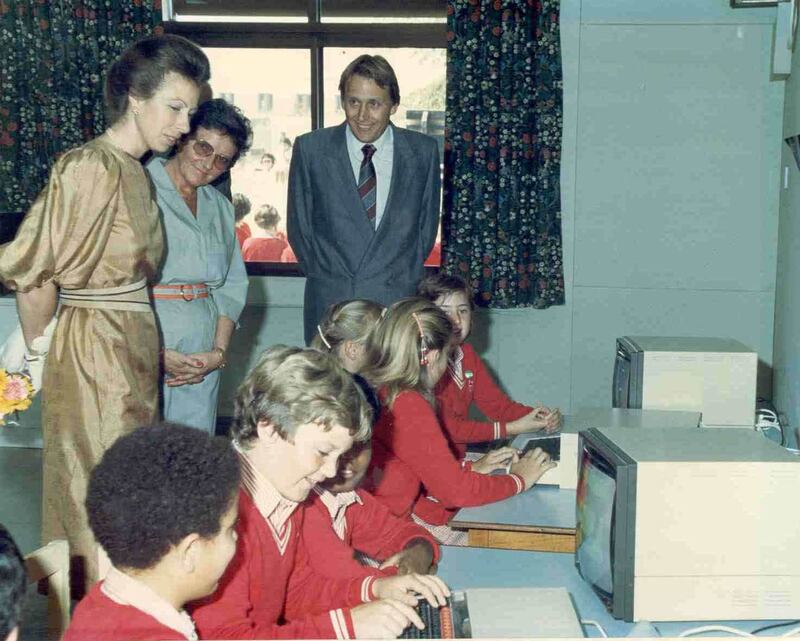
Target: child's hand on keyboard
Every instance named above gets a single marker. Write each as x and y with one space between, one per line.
499 459
541 418
404 588
531 466
415 558
384 619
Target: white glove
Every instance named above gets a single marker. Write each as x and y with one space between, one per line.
16 356
12 353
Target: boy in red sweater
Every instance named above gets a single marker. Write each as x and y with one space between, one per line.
361 523
296 413
467 380
162 503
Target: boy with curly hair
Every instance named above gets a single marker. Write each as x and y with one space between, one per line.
162 503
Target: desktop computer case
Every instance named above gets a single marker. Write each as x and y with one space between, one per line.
713 532
714 376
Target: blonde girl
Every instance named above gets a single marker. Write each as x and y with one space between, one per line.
414 469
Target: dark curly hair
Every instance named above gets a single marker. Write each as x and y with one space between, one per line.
141 69
220 115
12 583
157 485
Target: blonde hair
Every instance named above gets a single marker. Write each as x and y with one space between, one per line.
350 320
404 337
293 386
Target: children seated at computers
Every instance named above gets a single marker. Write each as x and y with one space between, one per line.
467 380
162 503
296 413
343 519
414 469
12 586
345 329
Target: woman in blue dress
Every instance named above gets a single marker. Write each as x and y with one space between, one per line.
202 285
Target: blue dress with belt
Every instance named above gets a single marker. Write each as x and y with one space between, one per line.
201 249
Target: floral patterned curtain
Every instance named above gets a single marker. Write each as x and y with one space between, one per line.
53 58
502 204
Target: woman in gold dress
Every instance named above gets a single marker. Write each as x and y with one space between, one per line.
91 241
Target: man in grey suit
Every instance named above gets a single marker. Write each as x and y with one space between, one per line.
363 206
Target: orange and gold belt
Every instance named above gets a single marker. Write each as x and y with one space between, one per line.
132 297
186 291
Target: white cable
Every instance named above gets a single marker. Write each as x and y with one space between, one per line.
595 624
714 628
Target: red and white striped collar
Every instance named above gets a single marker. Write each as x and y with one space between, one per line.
125 590
275 509
455 365
337 505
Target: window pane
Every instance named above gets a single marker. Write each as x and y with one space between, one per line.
421 76
373 11
272 88
239 10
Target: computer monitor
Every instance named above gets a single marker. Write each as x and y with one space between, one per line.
714 376
688 525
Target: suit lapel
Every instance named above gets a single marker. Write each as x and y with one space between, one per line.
402 161
338 161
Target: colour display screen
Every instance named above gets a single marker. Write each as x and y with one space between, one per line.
595 513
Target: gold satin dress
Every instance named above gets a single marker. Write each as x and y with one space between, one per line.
95 225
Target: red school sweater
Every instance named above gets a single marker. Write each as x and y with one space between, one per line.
412 462
371 529
453 403
98 618
253 594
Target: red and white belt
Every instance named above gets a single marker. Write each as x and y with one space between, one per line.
186 291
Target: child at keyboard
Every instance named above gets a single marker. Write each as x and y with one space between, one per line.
162 502
467 380
362 523
296 413
414 470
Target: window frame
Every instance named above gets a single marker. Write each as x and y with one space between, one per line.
314 36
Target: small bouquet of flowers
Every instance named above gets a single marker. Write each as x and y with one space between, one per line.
16 393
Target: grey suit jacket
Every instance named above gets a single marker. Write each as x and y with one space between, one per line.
340 253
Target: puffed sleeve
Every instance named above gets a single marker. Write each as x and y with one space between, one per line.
65 232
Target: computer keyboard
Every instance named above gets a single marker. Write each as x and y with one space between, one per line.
438 622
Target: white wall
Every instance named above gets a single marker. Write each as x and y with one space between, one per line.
787 302
670 180
671 153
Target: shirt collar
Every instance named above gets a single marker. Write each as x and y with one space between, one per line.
124 589
337 505
273 507
156 167
383 145
455 365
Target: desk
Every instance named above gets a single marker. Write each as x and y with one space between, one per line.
463 568
543 519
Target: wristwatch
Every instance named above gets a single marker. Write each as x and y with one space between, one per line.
221 353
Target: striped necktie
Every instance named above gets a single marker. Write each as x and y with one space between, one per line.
368 183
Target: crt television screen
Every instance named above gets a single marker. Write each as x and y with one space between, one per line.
595 513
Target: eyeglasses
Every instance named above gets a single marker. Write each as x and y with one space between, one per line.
204 149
